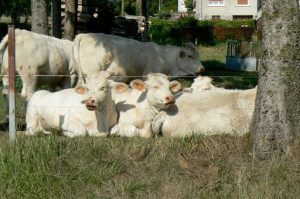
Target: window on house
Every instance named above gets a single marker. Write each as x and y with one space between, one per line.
242 17
215 17
216 2
242 2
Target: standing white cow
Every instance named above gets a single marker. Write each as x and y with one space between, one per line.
138 106
84 110
126 57
38 55
216 111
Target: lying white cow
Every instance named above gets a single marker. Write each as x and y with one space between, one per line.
36 55
121 56
201 83
84 110
138 106
216 111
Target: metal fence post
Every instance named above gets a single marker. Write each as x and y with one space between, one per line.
12 87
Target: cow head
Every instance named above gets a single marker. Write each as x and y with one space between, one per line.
160 91
188 61
202 83
96 91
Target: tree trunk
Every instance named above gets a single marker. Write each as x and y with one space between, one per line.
56 18
139 7
276 121
70 19
39 16
122 8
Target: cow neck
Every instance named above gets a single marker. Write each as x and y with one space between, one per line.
103 115
150 111
169 62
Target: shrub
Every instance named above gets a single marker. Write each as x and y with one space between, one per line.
189 29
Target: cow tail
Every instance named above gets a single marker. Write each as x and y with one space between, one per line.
76 60
3 46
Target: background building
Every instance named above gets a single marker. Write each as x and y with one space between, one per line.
226 9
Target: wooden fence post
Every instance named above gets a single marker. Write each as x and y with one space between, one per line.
12 87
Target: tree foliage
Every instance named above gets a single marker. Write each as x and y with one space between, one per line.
167 6
15 8
190 5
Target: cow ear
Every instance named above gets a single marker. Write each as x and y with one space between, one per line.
81 89
138 84
189 45
121 87
182 54
175 86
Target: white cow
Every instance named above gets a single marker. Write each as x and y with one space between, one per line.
201 83
36 55
126 57
216 111
138 106
84 110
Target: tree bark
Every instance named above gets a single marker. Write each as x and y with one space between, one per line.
39 16
70 19
139 7
56 18
276 121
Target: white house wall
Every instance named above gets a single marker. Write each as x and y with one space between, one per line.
181 6
225 12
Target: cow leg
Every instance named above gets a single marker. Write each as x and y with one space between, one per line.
33 125
157 122
97 134
73 129
146 131
71 81
127 130
5 95
73 132
29 86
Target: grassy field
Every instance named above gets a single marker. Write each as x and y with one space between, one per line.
113 167
196 167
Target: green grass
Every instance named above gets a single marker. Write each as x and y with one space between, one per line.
196 167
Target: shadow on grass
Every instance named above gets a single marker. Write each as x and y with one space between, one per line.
229 79
213 65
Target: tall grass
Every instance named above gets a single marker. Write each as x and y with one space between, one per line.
195 167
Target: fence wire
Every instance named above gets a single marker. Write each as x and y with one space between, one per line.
21 109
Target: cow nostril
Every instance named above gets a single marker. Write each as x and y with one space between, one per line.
170 99
91 101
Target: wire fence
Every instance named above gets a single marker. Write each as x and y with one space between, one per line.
187 80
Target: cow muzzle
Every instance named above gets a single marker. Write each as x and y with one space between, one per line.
90 104
201 71
170 100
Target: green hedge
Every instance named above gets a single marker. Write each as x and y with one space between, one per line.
208 32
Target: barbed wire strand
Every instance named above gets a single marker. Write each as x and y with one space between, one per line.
136 76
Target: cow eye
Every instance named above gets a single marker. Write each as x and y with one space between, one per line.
156 87
190 56
102 88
